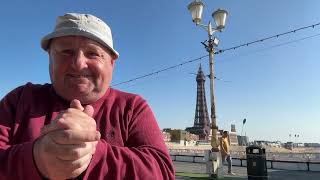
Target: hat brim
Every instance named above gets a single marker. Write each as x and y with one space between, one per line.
73 32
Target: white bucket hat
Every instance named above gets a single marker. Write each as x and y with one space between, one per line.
85 25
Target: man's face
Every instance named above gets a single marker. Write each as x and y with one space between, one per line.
225 134
80 68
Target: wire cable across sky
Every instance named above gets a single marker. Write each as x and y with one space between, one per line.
228 49
267 38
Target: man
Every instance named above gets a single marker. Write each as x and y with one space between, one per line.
79 127
225 151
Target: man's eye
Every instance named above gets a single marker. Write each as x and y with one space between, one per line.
92 54
67 52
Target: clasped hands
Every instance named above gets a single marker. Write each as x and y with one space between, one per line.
67 144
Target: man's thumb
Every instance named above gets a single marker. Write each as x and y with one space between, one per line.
76 104
89 110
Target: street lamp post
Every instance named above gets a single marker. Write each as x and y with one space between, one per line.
219 16
243 142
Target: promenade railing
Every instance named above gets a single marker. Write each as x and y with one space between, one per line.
275 160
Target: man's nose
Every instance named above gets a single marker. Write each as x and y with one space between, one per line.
79 61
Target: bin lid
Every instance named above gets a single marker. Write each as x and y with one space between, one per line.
254 149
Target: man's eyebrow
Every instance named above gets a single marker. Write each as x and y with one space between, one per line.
91 44
60 45
100 47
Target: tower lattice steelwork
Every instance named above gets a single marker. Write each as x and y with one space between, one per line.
201 124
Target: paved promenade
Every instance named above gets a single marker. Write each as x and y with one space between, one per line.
241 172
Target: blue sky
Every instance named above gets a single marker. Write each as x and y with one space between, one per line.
274 85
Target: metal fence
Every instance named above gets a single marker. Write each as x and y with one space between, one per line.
275 156
288 161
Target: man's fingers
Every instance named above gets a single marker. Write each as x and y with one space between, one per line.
71 118
54 125
81 161
46 129
69 152
89 110
76 104
67 160
79 166
74 136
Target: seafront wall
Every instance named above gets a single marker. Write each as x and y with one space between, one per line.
285 161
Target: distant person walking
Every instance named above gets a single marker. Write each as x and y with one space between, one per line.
225 151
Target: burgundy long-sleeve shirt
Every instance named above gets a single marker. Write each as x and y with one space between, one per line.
131 145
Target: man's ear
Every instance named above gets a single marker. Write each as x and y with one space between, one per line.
49 55
113 62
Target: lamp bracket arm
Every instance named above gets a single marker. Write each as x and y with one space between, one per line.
203 26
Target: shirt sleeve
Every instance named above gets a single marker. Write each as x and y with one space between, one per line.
144 156
16 160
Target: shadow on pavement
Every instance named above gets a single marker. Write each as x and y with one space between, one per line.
293 175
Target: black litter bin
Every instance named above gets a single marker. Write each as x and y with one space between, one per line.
256 163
